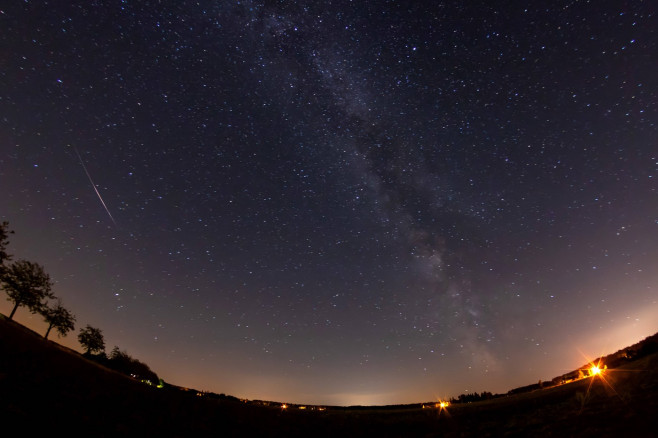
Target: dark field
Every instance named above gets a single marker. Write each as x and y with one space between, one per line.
48 389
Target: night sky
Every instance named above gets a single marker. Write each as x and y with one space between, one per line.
367 202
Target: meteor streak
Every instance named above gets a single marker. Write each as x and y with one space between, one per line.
94 186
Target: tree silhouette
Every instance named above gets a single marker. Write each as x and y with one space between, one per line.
26 284
60 318
91 339
4 236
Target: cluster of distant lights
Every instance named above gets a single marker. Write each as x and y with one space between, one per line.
442 405
303 408
595 369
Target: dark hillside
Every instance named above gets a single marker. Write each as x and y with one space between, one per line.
46 388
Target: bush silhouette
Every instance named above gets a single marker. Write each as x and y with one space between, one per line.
124 363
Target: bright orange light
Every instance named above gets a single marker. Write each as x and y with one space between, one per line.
284 406
442 406
594 370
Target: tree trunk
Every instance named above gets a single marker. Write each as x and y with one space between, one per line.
46 335
14 310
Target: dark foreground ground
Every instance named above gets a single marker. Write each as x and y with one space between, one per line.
51 390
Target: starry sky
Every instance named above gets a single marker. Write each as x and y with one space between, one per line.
338 202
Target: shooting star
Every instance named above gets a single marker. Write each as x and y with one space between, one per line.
94 186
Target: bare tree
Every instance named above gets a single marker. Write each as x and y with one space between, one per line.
60 318
91 339
27 284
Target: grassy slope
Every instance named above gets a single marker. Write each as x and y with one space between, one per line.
46 387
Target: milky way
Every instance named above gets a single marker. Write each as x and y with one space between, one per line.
338 202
